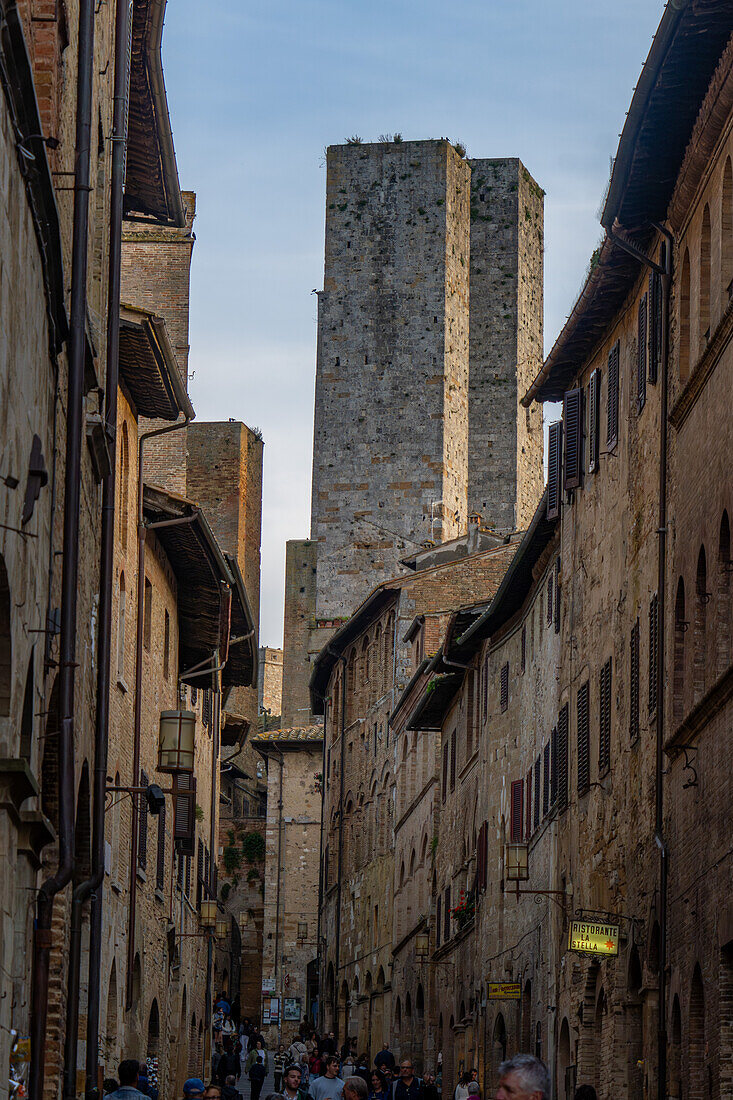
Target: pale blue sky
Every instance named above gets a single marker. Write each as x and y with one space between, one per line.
257 91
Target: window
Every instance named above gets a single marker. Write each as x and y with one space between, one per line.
438 919
537 790
453 737
554 469
655 320
634 682
528 808
121 615
653 651
562 758
446 915
524 648
583 739
705 280
573 420
557 596
504 686
446 750
726 235
550 601
142 825
517 808
641 340
187 889
485 688
124 484
680 628
604 718
546 780
147 614
612 407
553 766
594 420
700 654
160 864
199 873
685 318
482 857
166 645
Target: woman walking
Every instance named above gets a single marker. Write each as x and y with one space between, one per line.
257 1067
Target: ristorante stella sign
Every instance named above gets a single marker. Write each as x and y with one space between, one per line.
592 938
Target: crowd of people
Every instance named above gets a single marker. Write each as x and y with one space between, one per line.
315 1068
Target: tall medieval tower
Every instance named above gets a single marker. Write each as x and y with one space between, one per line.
429 331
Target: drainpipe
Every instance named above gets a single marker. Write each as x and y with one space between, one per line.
138 697
665 273
69 579
666 278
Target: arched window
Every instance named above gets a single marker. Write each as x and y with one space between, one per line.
703 332
27 721
696 1032
726 237
680 627
153 1044
674 1090
702 598
121 614
110 1026
684 337
124 485
722 604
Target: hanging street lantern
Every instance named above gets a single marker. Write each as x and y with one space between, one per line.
207 913
516 863
177 738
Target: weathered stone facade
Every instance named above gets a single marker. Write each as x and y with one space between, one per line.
270 684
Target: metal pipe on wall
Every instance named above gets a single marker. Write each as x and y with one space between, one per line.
70 549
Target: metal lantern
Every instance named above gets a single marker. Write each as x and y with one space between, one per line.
516 863
422 945
208 913
176 746
221 929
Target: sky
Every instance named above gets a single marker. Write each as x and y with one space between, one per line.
256 93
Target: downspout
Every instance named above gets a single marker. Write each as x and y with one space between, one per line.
213 845
665 273
666 279
137 724
69 579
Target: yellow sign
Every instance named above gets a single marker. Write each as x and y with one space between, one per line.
593 938
505 991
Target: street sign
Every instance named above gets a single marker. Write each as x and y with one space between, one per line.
505 991
593 938
268 985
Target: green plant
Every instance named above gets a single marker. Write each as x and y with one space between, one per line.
253 875
253 847
354 140
433 847
397 138
465 910
232 859
257 433
199 813
225 891
460 148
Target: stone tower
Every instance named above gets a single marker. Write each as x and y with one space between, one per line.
429 332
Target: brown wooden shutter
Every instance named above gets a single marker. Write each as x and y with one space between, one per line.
653 651
537 790
554 469
562 758
553 766
504 690
594 420
583 739
438 919
485 856
573 420
446 915
485 687
604 716
641 342
528 807
517 807
199 872
546 780
550 597
634 685
557 596
453 747
612 407
445 769
524 648
179 870
184 820
142 825
160 862
655 325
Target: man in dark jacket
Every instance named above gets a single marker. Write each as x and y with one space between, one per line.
385 1059
228 1064
407 1086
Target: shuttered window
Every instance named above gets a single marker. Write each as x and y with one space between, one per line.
604 717
562 758
446 750
438 919
612 407
553 766
550 598
594 420
537 791
160 862
179 870
184 820
528 807
446 915
199 872
485 688
504 687
517 807
546 780
142 825
573 421
583 739
188 876
655 325
653 651
453 744
207 872
641 348
554 469
634 684
524 648
482 876
557 596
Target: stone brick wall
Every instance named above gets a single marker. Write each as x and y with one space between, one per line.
300 606
270 684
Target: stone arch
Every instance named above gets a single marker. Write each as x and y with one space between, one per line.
696 1038
564 1061
6 642
678 675
152 1046
702 597
137 980
121 619
27 721
110 1023
722 603
498 1043
674 1067
684 318
706 272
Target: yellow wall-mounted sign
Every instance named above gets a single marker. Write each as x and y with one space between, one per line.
593 938
505 991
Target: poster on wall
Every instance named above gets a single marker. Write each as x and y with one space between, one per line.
291 1008
274 1010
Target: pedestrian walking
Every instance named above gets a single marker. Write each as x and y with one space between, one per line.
523 1077
193 1089
229 1063
379 1087
213 1092
585 1092
385 1059
296 1050
429 1087
362 1068
279 1062
257 1067
355 1088
461 1089
407 1086
474 1090
230 1090
329 1086
293 1085
128 1074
